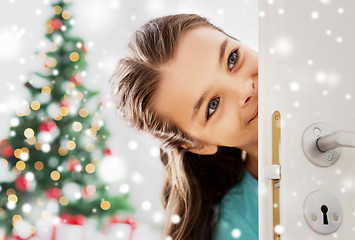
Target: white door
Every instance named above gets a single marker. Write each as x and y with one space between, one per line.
307 75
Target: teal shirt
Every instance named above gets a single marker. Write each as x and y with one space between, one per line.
239 212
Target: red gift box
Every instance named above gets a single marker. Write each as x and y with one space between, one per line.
125 225
69 226
16 237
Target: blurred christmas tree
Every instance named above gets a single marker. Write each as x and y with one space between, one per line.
56 148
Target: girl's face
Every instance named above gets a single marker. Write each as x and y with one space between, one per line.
210 89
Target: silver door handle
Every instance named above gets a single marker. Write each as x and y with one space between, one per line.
335 140
322 145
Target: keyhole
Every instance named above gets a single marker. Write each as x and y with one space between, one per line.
324 209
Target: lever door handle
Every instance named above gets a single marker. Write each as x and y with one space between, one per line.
335 140
322 144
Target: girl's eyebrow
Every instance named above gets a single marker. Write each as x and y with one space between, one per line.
200 101
222 50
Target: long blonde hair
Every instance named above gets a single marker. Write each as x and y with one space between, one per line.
194 184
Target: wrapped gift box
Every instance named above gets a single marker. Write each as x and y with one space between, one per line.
119 229
69 227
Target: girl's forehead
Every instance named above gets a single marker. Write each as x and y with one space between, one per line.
195 46
202 35
199 43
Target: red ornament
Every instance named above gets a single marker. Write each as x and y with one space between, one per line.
6 149
107 151
88 192
73 165
76 79
83 48
57 24
47 126
4 142
53 193
21 183
64 103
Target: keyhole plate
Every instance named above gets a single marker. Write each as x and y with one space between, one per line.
319 205
309 146
324 210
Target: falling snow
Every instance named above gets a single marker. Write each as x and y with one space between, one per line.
14 39
146 205
236 233
175 219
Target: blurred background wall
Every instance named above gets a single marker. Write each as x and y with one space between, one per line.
106 27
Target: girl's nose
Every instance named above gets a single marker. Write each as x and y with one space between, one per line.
252 92
247 99
247 92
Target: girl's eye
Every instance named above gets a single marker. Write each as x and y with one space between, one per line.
233 59
213 104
